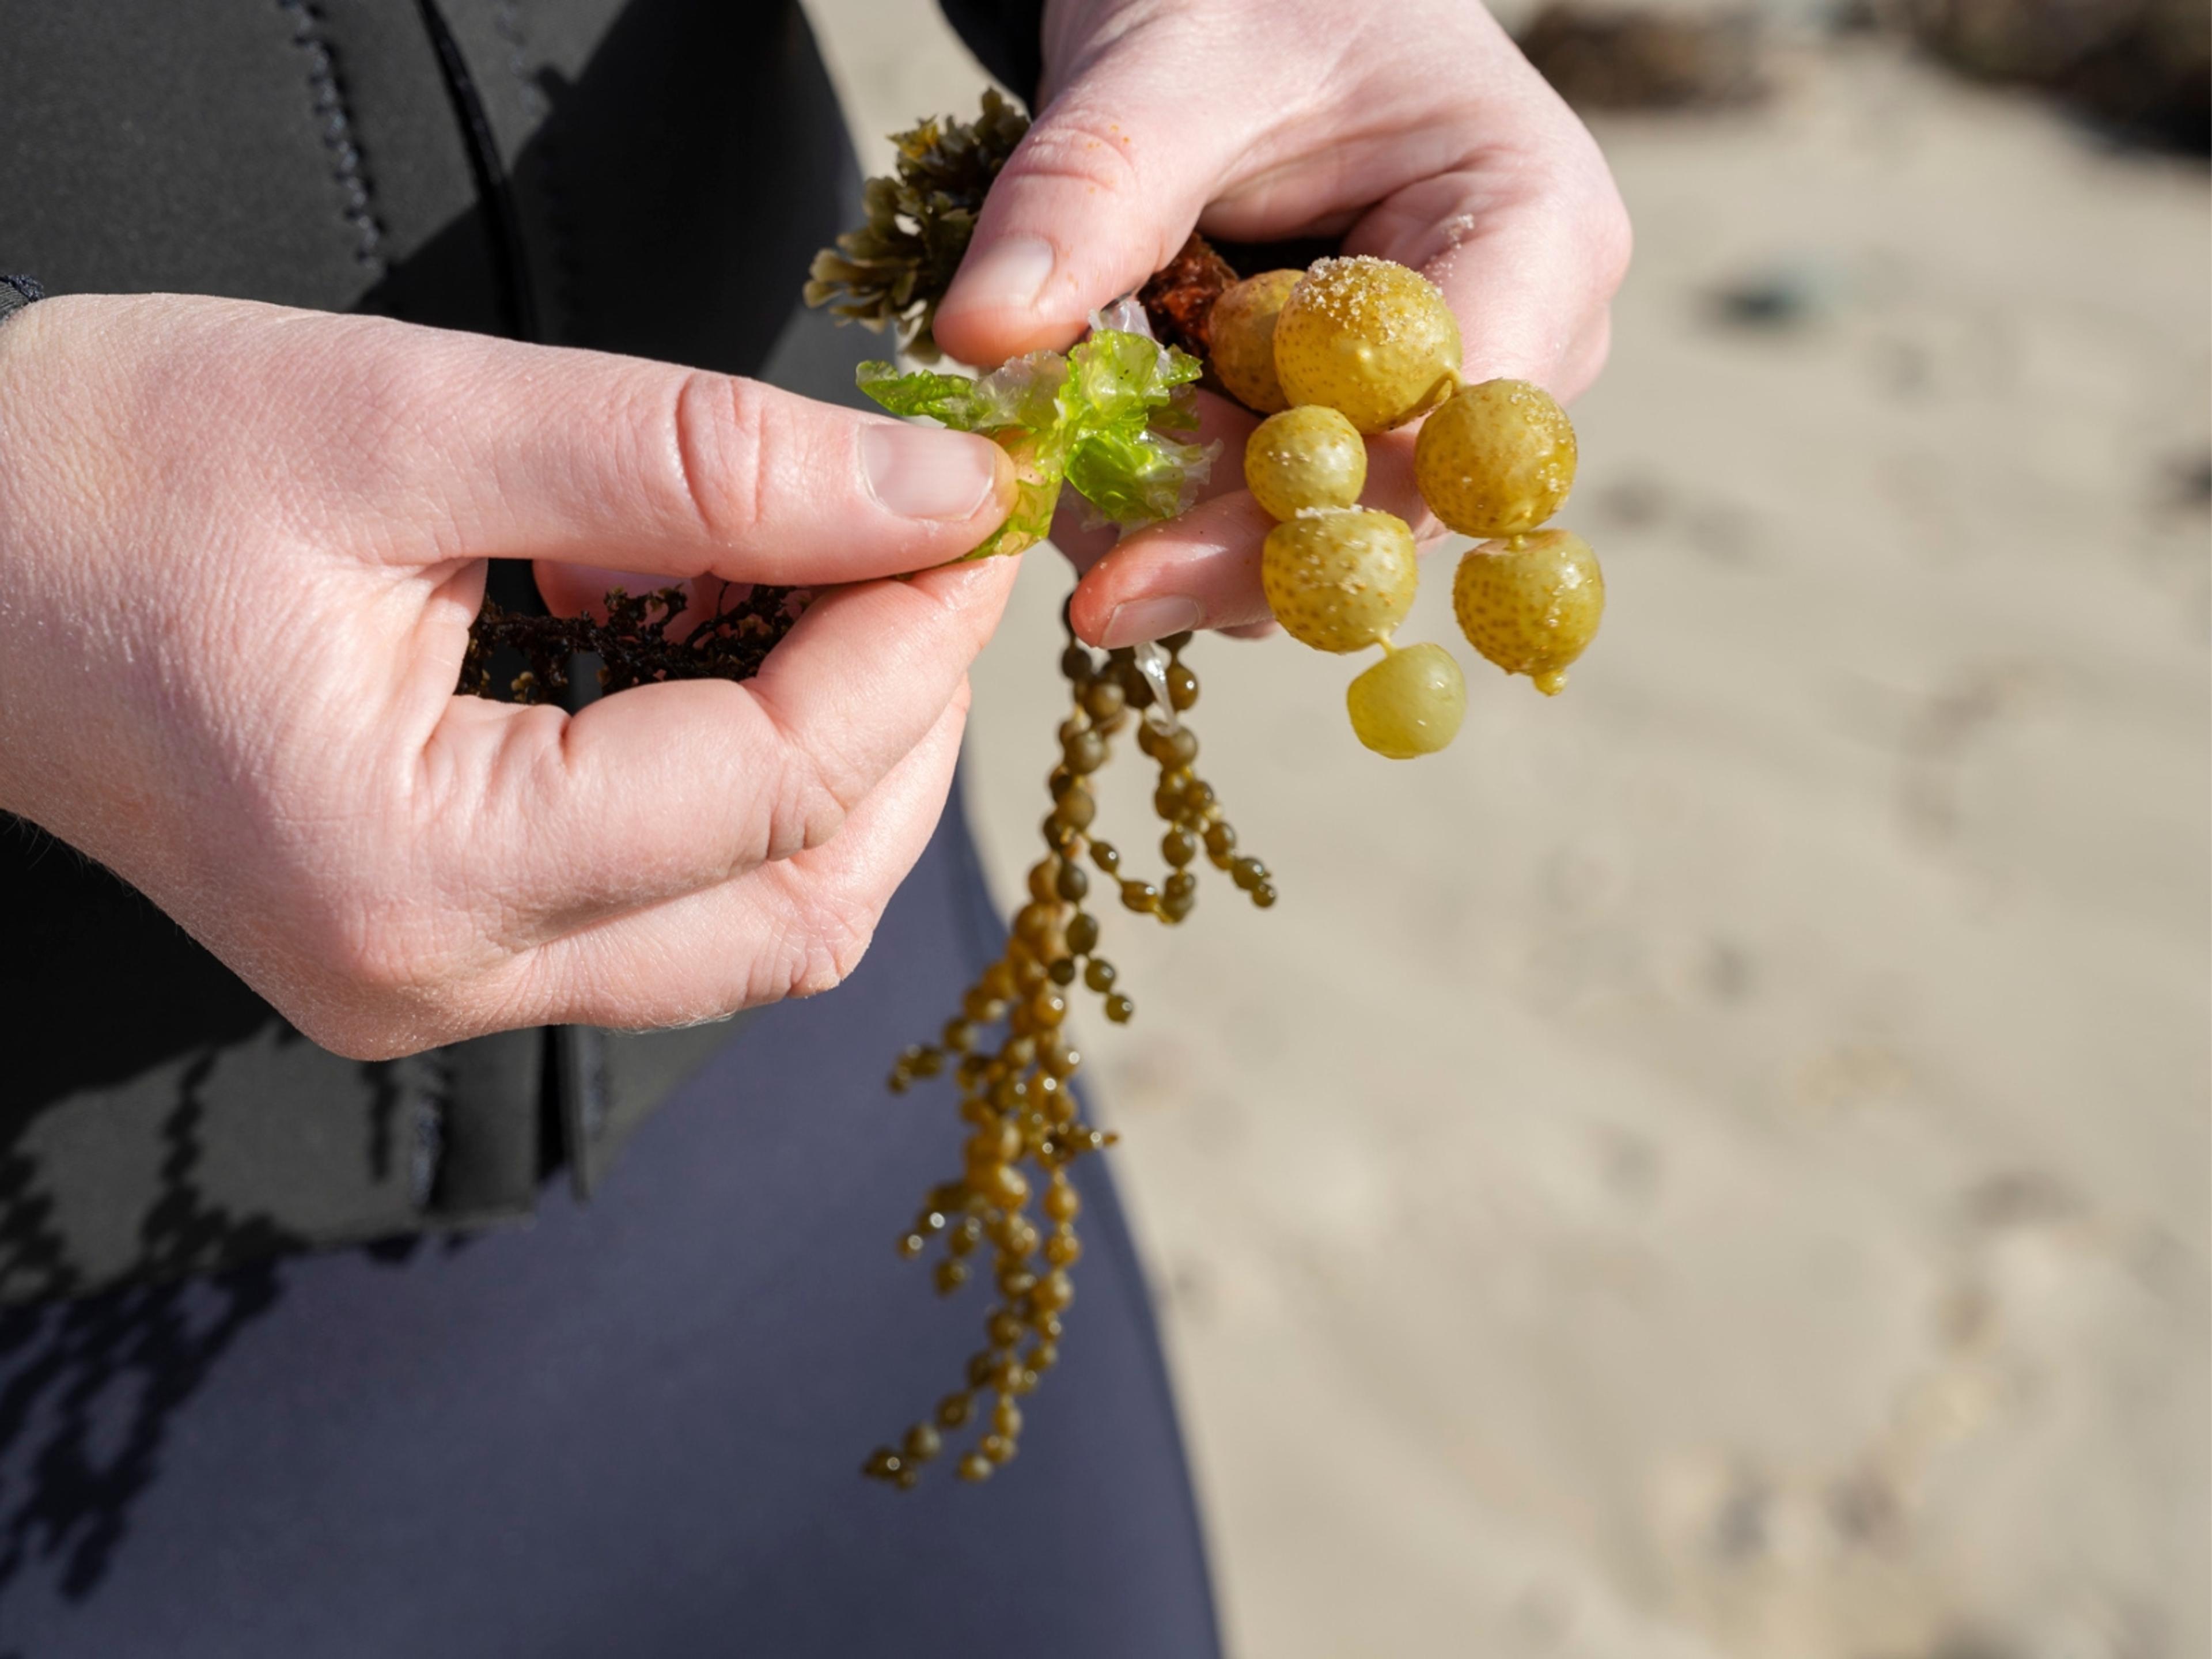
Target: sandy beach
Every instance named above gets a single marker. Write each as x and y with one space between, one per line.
1715 1163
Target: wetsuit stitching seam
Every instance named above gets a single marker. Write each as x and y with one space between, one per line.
348 167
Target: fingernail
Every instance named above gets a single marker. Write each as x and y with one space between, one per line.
1151 619
923 472
1010 275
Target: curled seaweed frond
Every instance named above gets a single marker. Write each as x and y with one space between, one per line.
1097 417
891 272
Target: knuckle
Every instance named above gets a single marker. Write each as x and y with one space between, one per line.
401 402
397 377
725 432
808 813
827 940
817 788
1081 146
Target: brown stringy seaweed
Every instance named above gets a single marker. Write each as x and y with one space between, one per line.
632 644
1025 1125
891 272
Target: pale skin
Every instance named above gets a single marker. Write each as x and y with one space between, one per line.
240 547
1413 130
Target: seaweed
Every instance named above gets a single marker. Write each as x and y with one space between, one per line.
633 642
891 272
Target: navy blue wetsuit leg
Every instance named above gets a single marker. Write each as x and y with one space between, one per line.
633 1428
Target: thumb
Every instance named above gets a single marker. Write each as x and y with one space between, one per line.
500 450
1107 184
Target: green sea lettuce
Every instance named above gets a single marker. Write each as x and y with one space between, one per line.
1097 417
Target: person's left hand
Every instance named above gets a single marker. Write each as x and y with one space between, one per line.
1415 130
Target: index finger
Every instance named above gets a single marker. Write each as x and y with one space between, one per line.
665 789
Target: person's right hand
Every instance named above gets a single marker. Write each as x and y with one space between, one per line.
1414 131
240 550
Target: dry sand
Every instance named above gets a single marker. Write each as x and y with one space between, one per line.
1717 1164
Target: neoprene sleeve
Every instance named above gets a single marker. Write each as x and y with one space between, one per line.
17 292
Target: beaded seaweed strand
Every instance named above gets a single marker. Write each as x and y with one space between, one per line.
1027 1126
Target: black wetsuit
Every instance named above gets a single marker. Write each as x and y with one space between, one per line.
560 1342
